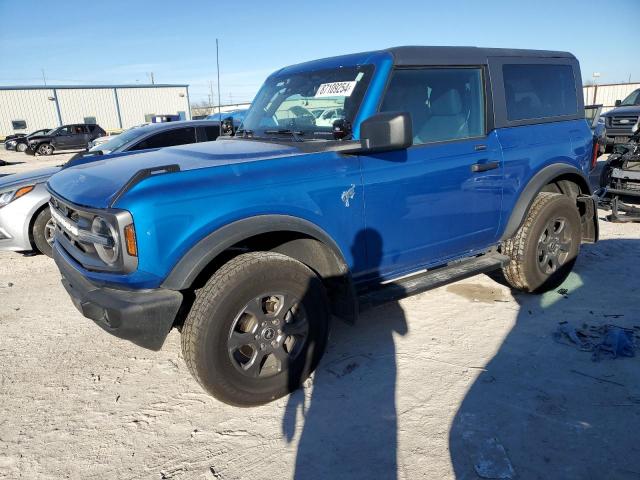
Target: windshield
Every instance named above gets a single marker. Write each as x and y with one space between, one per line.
632 99
119 140
294 104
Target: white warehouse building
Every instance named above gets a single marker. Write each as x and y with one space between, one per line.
24 109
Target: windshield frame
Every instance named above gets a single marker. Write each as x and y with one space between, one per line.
290 132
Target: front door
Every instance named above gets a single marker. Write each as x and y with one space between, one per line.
64 138
440 198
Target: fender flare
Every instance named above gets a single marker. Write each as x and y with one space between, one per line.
535 185
185 272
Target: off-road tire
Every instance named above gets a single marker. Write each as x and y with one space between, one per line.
38 232
208 326
524 272
45 149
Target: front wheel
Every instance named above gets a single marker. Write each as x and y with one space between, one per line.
544 249
45 149
257 329
43 232
21 147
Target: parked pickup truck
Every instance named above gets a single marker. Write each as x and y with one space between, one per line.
466 159
618 121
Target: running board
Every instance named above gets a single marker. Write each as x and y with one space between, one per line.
418 283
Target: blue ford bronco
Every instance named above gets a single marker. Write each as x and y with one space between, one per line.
445 162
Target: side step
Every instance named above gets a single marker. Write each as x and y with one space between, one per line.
421 282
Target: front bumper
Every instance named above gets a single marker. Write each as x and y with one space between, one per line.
9 146
143 317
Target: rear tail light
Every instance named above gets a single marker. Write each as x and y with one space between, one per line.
595 152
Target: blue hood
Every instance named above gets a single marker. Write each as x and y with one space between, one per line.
28 178
96 184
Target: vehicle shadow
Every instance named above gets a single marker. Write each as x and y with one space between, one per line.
543 409
346 421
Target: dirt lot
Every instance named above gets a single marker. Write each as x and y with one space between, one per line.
463 379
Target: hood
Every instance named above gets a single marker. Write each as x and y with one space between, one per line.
628 110
32 177
95 184
38 137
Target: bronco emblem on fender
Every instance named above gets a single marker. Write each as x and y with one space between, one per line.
348 195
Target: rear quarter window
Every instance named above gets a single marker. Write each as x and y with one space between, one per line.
539 91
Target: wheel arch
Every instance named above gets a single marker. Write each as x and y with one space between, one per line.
291 236
558 178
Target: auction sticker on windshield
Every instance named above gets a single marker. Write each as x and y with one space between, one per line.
336 89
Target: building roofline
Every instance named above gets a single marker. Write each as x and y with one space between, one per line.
81 87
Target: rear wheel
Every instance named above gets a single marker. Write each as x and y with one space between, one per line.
45 149
43 232
544 249
257 329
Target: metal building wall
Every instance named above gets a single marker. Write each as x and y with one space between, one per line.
135 103
114 107
32 106
606 95
78 103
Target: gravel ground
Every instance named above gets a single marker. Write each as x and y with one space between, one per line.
459 381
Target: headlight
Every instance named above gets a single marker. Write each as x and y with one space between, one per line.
107 251
9 196
11 142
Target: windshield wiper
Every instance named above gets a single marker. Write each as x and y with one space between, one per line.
296 134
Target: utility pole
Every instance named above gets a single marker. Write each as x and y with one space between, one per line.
44 79
596 76
218 68
151 78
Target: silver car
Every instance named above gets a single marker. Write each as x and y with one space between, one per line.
25 219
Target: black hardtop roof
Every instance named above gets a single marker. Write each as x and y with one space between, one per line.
418 55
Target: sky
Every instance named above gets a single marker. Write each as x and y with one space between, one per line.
122 42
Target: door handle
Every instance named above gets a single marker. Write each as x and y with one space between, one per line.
483 167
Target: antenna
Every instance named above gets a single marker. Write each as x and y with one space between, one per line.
219 101
44 79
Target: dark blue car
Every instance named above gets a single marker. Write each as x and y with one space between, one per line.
444 162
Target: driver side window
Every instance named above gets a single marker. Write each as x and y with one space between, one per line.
444 103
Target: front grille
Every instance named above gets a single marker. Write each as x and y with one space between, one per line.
623 121
70 224
631 186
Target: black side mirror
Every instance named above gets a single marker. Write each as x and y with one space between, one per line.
618 103
386 131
